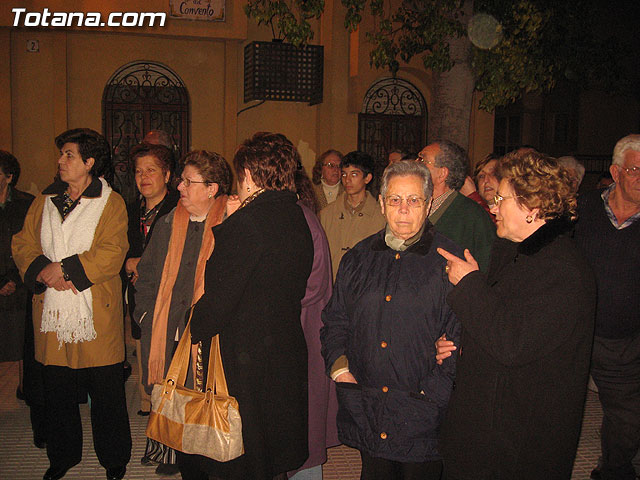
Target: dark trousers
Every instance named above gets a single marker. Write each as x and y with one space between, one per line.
374 468
109 418
616 371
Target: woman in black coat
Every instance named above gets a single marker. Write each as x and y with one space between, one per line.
16 329
255 280
523 364
13 294
152 170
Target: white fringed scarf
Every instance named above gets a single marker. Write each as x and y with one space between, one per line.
68 314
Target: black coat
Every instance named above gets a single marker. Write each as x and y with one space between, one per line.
254 282
12 307
523 364
387 310
138 242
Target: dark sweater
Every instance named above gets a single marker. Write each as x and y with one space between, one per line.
614 256
468 225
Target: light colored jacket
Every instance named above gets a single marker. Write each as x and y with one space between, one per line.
345 229
321 198
101 264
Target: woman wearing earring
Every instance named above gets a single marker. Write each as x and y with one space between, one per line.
527 332
255 281
326 177
171 273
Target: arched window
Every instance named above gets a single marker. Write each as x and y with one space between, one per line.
394 116
139 97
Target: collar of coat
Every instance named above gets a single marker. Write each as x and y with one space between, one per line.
421 247
546 234
94 190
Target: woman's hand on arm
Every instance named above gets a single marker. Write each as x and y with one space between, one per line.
131 267
51 274
62 285
8 289
468 187
458 268
346 377
444 349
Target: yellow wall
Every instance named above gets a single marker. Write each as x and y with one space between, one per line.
61 86
38 98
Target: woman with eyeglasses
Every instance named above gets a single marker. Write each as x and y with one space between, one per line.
527 323
388 308
171 273
326 176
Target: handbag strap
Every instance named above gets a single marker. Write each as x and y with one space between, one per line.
216 380
177 373
179 365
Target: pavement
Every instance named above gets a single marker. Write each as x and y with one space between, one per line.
21 460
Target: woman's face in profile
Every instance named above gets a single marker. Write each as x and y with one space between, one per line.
511 216
195 197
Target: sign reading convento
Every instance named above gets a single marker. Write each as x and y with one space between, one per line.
210 10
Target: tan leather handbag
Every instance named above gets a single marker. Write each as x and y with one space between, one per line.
204 423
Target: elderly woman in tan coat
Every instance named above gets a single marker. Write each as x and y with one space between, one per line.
69 253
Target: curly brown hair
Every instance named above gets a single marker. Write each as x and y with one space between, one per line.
212 167
539 182
316 173
271 159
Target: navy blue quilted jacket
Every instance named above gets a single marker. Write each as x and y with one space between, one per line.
387 310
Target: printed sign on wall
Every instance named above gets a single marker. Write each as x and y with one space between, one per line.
210 10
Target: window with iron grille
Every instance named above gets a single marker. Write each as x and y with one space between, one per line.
139 97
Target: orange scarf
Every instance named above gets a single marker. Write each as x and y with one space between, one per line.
169 275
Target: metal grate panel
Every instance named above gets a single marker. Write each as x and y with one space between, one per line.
282 71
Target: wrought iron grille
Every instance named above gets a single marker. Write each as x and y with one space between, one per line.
281 71
393 96
394 115
139 97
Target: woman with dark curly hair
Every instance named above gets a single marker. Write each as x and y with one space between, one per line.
527 323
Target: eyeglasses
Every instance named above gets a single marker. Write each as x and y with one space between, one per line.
331 165
413 201
422 159
187 181
497 198
632 171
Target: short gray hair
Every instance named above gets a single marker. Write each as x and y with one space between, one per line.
406 168
573 164
630 142
454 157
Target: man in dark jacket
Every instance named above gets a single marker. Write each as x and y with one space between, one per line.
452 214
608 231
388 308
